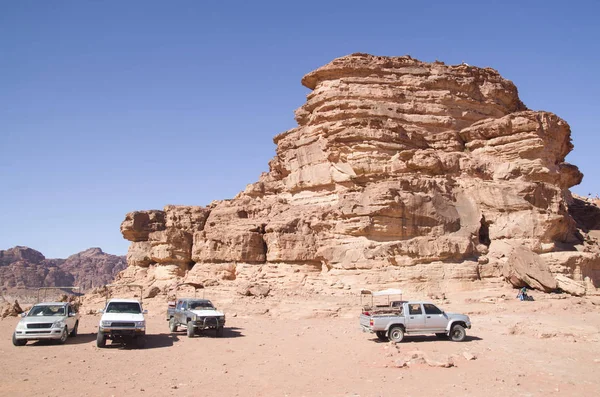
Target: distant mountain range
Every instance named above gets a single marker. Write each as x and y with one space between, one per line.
23 267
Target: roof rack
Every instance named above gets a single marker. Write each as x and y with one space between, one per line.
385 292
45 289
196 288
108 286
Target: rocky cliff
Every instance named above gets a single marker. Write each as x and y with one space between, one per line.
22 267
399 172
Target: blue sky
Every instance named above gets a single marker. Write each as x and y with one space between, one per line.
108 107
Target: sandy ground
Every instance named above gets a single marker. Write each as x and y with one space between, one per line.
549 347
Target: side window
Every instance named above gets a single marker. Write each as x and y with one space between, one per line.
179 304
70 309
431 309
414 308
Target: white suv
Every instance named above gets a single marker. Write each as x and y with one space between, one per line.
122 320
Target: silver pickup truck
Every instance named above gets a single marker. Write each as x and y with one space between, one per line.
195 315
403 317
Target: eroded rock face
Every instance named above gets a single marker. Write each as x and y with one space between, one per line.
23 267
93 268
399 171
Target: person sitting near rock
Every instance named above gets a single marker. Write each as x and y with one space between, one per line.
522 295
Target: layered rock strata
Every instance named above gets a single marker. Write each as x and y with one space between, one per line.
25 268
399 172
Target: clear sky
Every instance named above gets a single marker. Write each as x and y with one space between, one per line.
112 106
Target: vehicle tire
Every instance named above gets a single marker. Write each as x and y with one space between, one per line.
458 333
140 341
190 329
219 332
63 336
100 339
381 336
442 335
396 334
18 342
74 330
172 325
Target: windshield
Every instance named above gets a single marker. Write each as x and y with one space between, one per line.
47 310
123 307
201 305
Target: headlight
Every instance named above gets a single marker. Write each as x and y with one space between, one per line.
140 324
105 323
21 325
58 324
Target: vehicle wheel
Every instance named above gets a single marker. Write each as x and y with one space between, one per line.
63 336
441 335
74 330
172 325
100 339
458 333
140 341
396 334
18 342
190 329
381 335
219 331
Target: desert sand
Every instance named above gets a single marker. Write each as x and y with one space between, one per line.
313 346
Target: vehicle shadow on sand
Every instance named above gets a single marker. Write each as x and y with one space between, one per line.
153 341
428 338
228 332
71 340
81 338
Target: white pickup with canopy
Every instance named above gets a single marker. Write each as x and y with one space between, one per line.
385 292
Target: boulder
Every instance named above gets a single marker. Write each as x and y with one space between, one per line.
10 310
570 286
525 268
260 290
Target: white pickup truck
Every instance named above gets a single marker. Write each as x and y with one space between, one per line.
402 317
122 319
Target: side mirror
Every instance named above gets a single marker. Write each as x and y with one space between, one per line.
23 314
145 312
101 311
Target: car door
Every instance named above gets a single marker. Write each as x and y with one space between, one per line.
179 312
70 317
435 319
415 319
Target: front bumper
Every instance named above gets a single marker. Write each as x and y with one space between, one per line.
117 331
52 333
209 323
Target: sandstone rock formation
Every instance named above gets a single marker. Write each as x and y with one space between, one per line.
8 309
93 268
400 172
23 267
